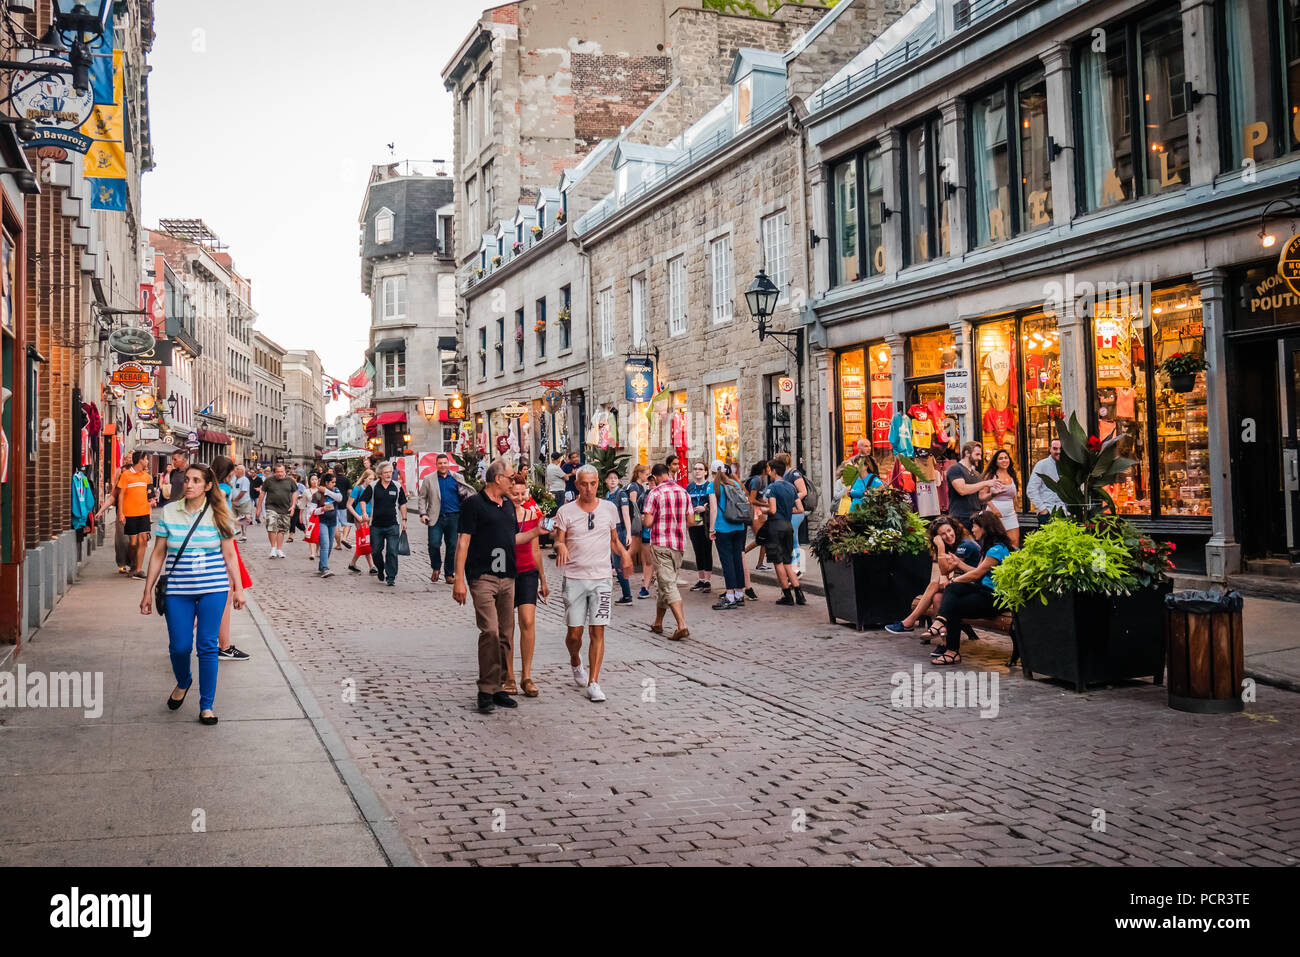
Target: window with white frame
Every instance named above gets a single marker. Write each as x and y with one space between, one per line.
394 296
384 226
607 323
639 308
720 256
447 295
776 250
450 369
677 296
395 370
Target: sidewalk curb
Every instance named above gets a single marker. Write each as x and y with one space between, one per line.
380 822
1274 680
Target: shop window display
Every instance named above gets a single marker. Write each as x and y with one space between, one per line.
854 414
1040 347
1119 326
866 402
726 425
1182 427
996 360
929 354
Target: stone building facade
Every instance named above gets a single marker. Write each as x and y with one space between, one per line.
304 403
409 274
268 399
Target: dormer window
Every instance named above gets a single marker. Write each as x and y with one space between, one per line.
744 92
384 226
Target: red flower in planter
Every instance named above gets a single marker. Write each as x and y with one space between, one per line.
1171 546
1094 444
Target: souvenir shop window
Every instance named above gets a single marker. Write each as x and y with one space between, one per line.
1040 350
1120 363
1182 427
854 414
676 434
866 401
726 425
996 360
1260 77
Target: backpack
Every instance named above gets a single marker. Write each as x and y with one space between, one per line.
736 508
634 513
811 499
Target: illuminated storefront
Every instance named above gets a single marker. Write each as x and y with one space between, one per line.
866 402
726 424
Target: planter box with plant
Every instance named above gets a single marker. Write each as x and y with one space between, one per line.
1182 367
536 231
874 559
1087 588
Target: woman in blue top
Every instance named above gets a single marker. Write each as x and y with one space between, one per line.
970 594
698 526
198 584
358 506
729 536
868 478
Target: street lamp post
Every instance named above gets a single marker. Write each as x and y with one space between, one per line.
761 298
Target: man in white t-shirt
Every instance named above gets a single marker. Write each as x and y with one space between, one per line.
586 531
241 501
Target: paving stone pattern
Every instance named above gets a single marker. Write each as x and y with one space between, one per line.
718 748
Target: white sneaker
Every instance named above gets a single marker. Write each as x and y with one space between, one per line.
594 692
280 553
580 676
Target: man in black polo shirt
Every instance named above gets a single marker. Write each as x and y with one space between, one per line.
485 570
387 522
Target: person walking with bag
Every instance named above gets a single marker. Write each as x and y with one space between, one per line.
728 510
195 542
326 502
387 501
358 506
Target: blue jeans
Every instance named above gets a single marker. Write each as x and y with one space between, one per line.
385 540
797 556
617 564
183 635
326 539
731 549
447 526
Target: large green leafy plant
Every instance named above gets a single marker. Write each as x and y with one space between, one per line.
1105 557
1087 465
882 523
608 460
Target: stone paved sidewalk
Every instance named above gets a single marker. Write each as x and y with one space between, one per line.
134 785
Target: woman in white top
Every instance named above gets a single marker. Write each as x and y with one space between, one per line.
1001 497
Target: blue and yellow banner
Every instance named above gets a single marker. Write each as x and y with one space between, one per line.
106 158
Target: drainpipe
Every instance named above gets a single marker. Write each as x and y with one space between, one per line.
794 126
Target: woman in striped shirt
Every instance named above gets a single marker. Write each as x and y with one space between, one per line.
197 585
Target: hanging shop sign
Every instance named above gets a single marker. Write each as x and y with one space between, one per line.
145 406
553 400
639 380
1288 263
956 391
131 341
130 375
514 410
455 409
149 434
158 356
551 383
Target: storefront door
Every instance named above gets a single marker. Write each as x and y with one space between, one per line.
776 420
1290 372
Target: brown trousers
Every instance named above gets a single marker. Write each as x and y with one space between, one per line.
494 612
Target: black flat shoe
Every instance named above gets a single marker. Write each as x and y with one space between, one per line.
210 720
173 703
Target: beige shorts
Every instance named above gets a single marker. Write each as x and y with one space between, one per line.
667 563
277 523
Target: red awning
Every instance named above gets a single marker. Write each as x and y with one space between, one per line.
384 418
216 438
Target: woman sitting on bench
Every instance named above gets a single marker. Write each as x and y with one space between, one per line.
954 552
970 594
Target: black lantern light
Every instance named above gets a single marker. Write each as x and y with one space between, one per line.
761 297
172 402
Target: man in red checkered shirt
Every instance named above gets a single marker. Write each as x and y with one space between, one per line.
664 512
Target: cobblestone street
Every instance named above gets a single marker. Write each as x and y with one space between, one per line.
767 737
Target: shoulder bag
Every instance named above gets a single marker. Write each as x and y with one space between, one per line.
160 586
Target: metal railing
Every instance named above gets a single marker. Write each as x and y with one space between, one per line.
467 276
907 51
710 145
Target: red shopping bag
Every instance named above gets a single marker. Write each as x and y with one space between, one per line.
363 540
313 530
244 580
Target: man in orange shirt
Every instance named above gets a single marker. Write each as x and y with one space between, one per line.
133 496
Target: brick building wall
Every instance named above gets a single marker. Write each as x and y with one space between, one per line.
609 93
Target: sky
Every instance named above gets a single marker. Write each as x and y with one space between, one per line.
266 117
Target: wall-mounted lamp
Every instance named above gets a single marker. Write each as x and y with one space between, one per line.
950 189
885 212
813 239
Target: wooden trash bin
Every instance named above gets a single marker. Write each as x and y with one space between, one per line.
1206 652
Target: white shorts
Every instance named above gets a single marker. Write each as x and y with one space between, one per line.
588 601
